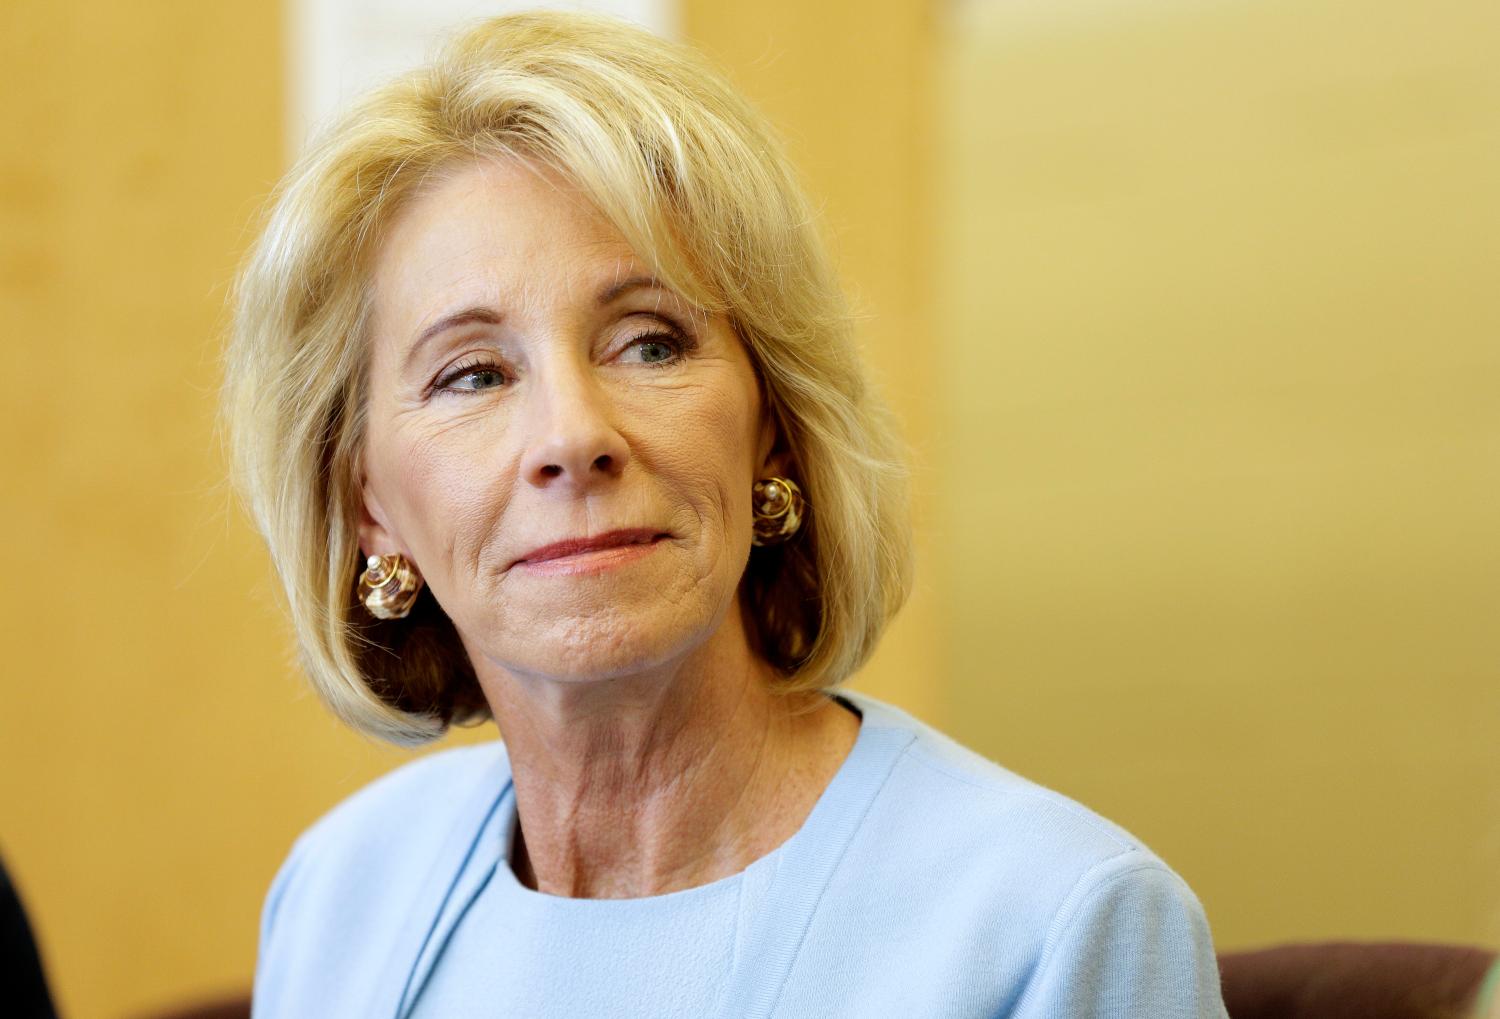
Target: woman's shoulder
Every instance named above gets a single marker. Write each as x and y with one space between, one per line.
421 790
362 869
994 873
408 807
366 877
946 802
374 837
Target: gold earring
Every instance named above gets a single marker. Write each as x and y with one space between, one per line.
389 586
777 505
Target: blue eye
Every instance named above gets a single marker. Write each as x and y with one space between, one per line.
657 348
472 378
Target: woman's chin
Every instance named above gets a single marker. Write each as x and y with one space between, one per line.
596 648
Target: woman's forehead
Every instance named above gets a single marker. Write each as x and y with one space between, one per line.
506 234
503 220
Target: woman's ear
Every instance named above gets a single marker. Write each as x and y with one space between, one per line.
772 457
375 534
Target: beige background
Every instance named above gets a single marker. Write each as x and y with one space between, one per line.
1188 308
1221 442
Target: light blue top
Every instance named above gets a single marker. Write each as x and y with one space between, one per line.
927 881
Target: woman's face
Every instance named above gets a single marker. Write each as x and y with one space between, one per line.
531 384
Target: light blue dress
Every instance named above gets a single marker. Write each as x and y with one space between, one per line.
927 881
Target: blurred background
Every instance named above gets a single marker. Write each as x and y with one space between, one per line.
1189 308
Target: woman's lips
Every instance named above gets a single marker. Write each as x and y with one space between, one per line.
591 555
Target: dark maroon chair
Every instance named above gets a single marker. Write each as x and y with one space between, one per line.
233 1007
1333 980
1349 980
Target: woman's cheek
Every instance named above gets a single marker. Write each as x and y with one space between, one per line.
456 493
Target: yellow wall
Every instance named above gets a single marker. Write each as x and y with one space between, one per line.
1185 315
1221 440
156 751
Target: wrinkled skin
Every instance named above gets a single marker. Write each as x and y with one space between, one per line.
565 418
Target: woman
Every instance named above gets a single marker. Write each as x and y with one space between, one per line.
545 400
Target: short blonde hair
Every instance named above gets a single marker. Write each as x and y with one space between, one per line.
695 181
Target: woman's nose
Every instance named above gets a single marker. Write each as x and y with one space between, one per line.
573 441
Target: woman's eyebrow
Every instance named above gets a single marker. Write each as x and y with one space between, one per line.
489 316
616 290
478 313
664 294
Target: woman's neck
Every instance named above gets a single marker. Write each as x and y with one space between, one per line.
644 785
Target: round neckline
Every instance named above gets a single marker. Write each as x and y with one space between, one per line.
510 885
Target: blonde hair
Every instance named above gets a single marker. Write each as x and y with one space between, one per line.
694 180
